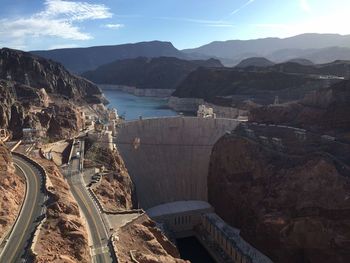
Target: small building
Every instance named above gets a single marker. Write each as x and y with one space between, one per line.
205 112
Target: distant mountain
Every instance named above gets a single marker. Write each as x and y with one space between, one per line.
316 47
339 68
227 86
79 60
256 62
301 61
232 86
148 73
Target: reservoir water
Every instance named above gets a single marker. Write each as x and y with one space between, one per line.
132 107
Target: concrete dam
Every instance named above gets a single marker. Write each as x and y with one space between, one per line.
168 158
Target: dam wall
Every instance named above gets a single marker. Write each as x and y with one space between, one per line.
168 158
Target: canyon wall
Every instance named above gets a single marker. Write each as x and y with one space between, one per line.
167 158
288 194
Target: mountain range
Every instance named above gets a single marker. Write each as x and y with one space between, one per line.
79 60
318 48
148 73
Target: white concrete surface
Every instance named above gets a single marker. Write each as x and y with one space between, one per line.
171 162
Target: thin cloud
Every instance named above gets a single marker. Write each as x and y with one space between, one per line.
113 26
194 20
242 7
220 25
58 19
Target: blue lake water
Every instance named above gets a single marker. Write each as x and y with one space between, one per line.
132 107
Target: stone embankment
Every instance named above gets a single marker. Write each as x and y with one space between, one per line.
161 93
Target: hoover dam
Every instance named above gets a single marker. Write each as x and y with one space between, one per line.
168 158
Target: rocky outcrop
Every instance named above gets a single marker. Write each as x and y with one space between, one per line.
290 198
35 95
12 191
323 111
40 73
143 241
230 87
63 236
26 107
115 191
146 73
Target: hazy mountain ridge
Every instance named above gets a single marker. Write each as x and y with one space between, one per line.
255 61
289 81
319 48
83 59
148 73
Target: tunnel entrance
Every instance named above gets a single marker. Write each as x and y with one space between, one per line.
191 249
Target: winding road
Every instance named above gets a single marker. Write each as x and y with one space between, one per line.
22 233
98 234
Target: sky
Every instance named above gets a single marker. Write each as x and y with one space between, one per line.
50 24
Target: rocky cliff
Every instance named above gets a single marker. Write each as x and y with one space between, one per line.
289 197
141 240
146 73
115 191
227 87
12 191
34 93
323 111
38 73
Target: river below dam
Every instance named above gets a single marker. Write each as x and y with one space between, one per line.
131 107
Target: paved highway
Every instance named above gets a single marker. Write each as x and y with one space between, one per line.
23 230
97 230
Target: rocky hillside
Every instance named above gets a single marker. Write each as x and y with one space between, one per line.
115 190
339 68
83 59
63 236
12 191
289 196
38 93
146 242
231 86
40 73
323 111
145 73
